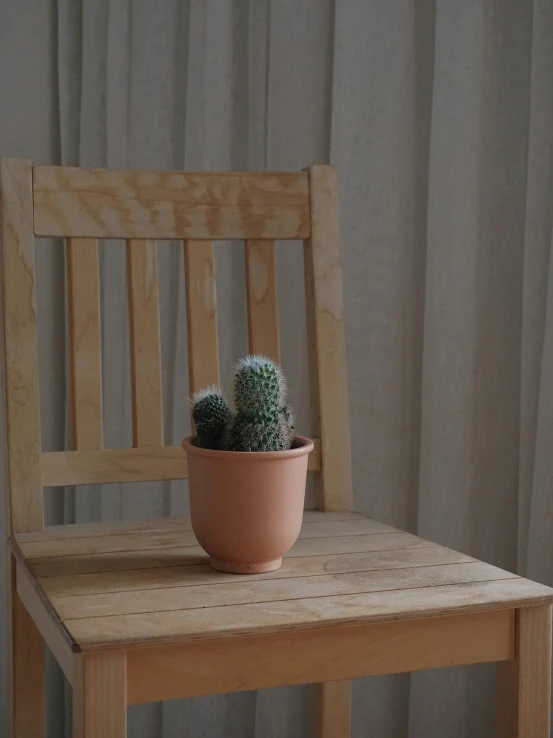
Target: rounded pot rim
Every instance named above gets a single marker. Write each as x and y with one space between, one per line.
305 447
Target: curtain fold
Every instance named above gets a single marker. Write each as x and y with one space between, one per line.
438 115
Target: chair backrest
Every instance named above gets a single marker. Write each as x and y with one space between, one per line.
84 205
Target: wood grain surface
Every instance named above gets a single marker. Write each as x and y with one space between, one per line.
100 203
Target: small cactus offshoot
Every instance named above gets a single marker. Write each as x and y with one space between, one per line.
263 421
211 415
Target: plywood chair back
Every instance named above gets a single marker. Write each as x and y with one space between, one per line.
84 205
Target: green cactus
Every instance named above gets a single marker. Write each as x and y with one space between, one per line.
211 415
263 422
288 421
248 435
259 385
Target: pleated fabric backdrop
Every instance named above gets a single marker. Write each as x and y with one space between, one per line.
438 114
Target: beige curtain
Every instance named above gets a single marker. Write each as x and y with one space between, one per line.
438 114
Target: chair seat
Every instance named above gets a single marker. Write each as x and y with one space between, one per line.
150 582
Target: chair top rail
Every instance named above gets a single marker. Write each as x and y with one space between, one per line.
101 203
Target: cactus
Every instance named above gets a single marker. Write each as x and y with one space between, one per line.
211 415
263 422
259 384
288 421
248 435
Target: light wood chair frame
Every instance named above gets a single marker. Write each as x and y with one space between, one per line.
83 206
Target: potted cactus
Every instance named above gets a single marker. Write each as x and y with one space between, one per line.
247 471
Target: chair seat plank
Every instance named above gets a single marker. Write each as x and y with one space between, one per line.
181 535
273 590
153 584
195 574
143 557
234 620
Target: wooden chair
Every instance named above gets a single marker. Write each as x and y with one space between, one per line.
132 611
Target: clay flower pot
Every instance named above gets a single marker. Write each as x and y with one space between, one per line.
247 507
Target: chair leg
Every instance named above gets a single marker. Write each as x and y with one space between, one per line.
27 668
524 685
333 709
100 695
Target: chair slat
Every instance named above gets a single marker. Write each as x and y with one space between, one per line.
145 343
201 308
103 466
22 458
113 204
326 342
261 282
85 345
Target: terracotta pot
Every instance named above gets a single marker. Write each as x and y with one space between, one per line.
247 508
